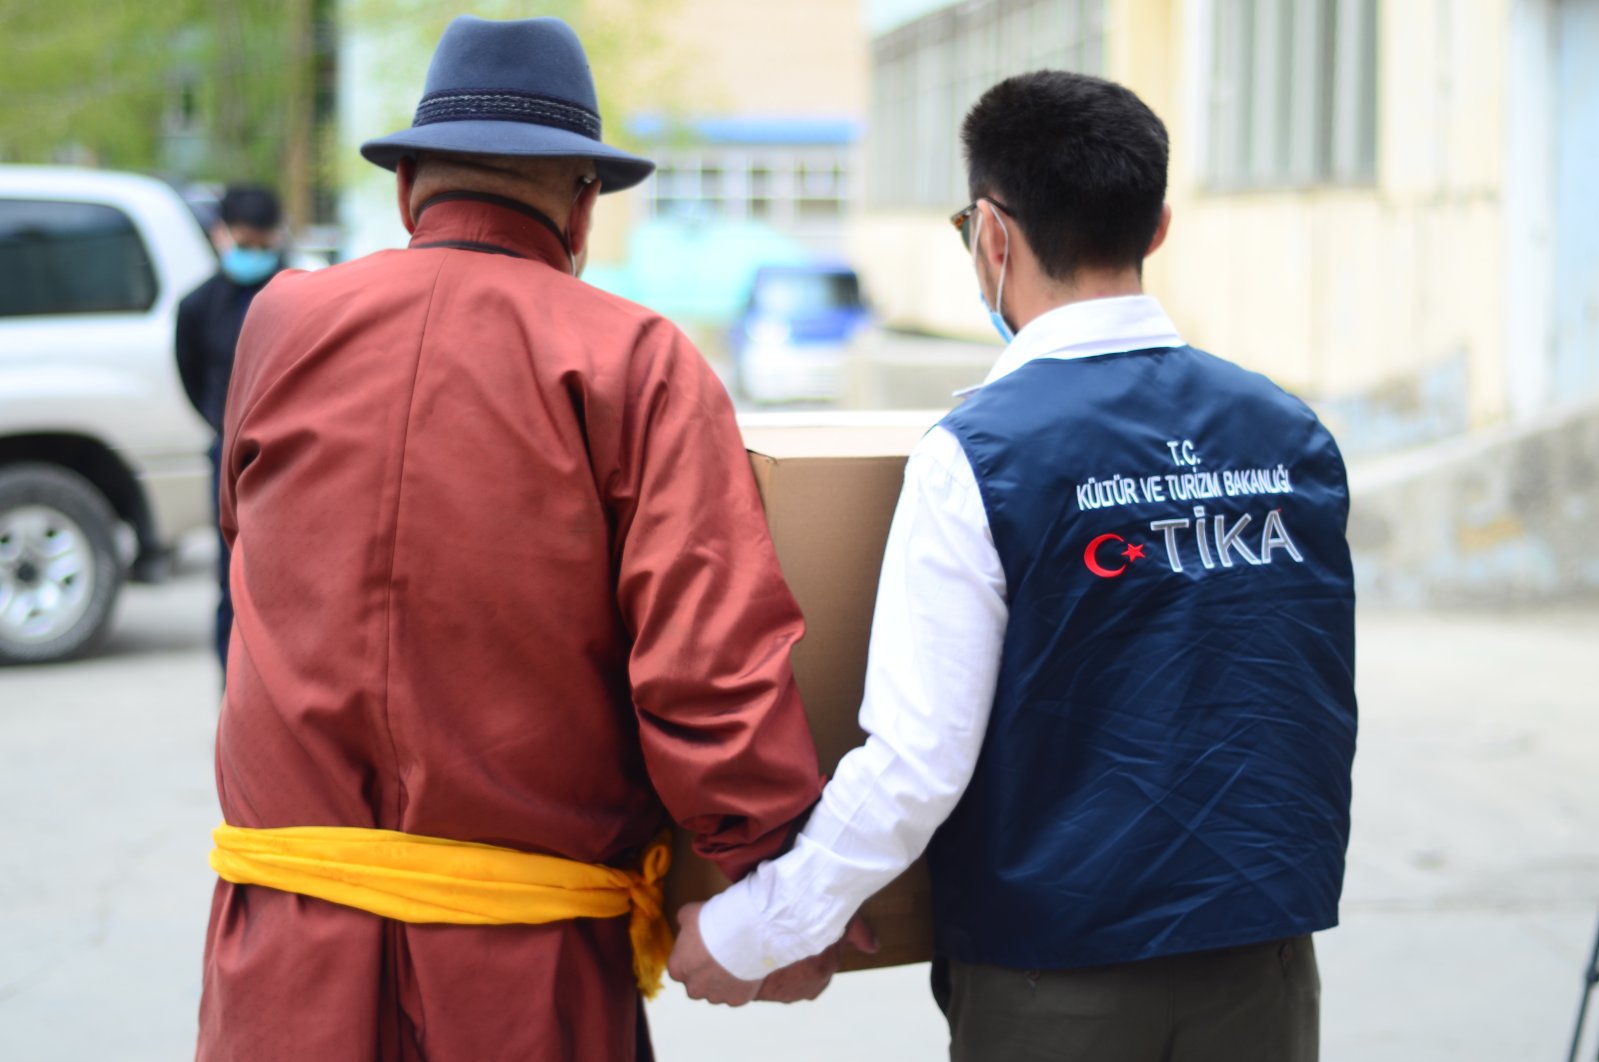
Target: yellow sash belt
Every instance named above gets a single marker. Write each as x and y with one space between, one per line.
431 879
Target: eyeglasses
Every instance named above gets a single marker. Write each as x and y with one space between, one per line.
962 218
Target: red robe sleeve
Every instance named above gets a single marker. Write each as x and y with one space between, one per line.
724 733
261 321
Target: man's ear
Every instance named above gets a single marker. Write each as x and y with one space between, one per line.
405 181
1160 230
580 222
995 238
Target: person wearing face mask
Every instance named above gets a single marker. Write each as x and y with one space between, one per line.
248 237
507 606
1111 682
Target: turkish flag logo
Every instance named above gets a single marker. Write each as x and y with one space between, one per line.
1091 556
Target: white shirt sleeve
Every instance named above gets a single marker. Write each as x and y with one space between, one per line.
936 638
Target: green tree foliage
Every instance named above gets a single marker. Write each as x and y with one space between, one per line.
226 89
87 79
197 86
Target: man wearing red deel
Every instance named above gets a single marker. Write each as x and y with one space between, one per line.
506 607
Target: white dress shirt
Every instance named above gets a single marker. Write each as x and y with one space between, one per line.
937 634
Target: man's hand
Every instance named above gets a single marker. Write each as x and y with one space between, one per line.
803 980
808 978
702 976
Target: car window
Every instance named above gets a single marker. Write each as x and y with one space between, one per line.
61 258
795 294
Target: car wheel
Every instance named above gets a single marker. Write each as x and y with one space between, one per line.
59 574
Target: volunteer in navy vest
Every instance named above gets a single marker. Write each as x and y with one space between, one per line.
1111 682
248 236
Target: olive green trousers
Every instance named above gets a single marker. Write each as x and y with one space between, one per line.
1258 1003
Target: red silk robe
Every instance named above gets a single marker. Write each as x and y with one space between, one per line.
500 574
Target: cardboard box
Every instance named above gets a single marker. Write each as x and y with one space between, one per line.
830 483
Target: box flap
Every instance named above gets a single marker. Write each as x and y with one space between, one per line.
794 435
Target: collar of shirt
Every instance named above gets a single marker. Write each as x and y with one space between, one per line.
1085 329
474 221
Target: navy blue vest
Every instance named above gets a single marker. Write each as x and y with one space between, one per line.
1167 764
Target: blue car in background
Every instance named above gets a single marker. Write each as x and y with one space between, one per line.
790 342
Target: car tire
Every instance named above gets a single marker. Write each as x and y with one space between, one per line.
59 572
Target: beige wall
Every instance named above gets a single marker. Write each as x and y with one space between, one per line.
749 58
916 274
768 58
1336 293
690 58
760 58
912 262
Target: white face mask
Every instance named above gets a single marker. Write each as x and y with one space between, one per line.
996 313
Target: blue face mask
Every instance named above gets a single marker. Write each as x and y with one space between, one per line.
998 320
249 266
996 315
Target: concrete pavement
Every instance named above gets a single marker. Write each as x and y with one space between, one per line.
1470 909
108 798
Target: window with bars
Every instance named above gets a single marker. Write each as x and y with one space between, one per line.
926 76
1293 100
783 187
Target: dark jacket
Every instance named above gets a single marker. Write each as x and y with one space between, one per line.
209 320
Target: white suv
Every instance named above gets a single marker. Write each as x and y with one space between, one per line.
102 461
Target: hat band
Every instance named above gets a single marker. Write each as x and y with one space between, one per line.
474 105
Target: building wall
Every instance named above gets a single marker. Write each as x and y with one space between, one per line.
695 59
931 62
1383 303
1382 299
1576 271
788 58
1501 516
736 59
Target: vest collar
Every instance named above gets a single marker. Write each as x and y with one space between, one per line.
478 221
1084 330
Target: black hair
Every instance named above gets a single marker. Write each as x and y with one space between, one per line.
250 204
1079 162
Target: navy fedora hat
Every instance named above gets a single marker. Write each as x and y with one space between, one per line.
510 88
